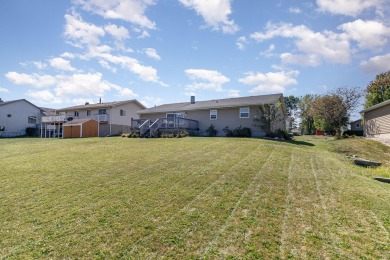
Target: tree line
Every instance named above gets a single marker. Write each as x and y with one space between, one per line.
332 111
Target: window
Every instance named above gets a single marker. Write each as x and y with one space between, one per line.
357 125
2 128
213 114
88 112
76 113
102 111
244 112
122 112
32 119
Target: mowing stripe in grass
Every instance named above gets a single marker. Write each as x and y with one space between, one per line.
257 224
289 198
200 177
191 209
233 212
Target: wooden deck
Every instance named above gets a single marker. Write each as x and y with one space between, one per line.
149 128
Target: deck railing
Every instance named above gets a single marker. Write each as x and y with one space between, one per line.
101 118
177 123
54 119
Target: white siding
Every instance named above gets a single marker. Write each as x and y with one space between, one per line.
19 112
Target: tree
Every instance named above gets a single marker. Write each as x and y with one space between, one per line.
378 90
330 111
268 116
292 105
306 113
351 97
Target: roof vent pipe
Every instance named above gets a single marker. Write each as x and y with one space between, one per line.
192 99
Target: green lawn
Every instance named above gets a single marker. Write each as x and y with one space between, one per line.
189 198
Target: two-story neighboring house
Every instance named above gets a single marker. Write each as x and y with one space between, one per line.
16 116
112 118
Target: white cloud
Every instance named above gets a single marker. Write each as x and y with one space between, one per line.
39 65
242 42
132 11
318 47
148 101
377 64
234 93
270 82
269 52
107 66
64 86
80 33
79 101
369 34
34 79
146 73
44 97
126 93
205 79
348 7
215 13
294 10
4 90
152 53
68 55
61 64
83 84
119 33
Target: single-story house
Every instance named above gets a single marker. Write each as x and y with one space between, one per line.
80 128
356 125
16 116
221 113
113 117
377 120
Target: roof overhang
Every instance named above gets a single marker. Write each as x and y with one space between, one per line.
384 103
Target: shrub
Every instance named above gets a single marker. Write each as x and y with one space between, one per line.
238 132
356 133
280 134
211 131
228 132
31 131
194 133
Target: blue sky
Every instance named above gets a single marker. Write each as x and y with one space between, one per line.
63 53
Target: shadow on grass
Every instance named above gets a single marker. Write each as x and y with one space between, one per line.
300 143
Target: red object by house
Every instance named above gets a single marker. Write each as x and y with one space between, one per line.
320 132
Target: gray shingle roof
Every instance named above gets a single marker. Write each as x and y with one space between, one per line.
384 103
17 100
216 103
101 105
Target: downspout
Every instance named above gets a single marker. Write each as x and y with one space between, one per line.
109 118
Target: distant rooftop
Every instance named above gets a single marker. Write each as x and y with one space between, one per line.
101 105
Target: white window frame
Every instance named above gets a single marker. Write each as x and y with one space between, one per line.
122 112
76 113
32 120
241 108
213 112
89 112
